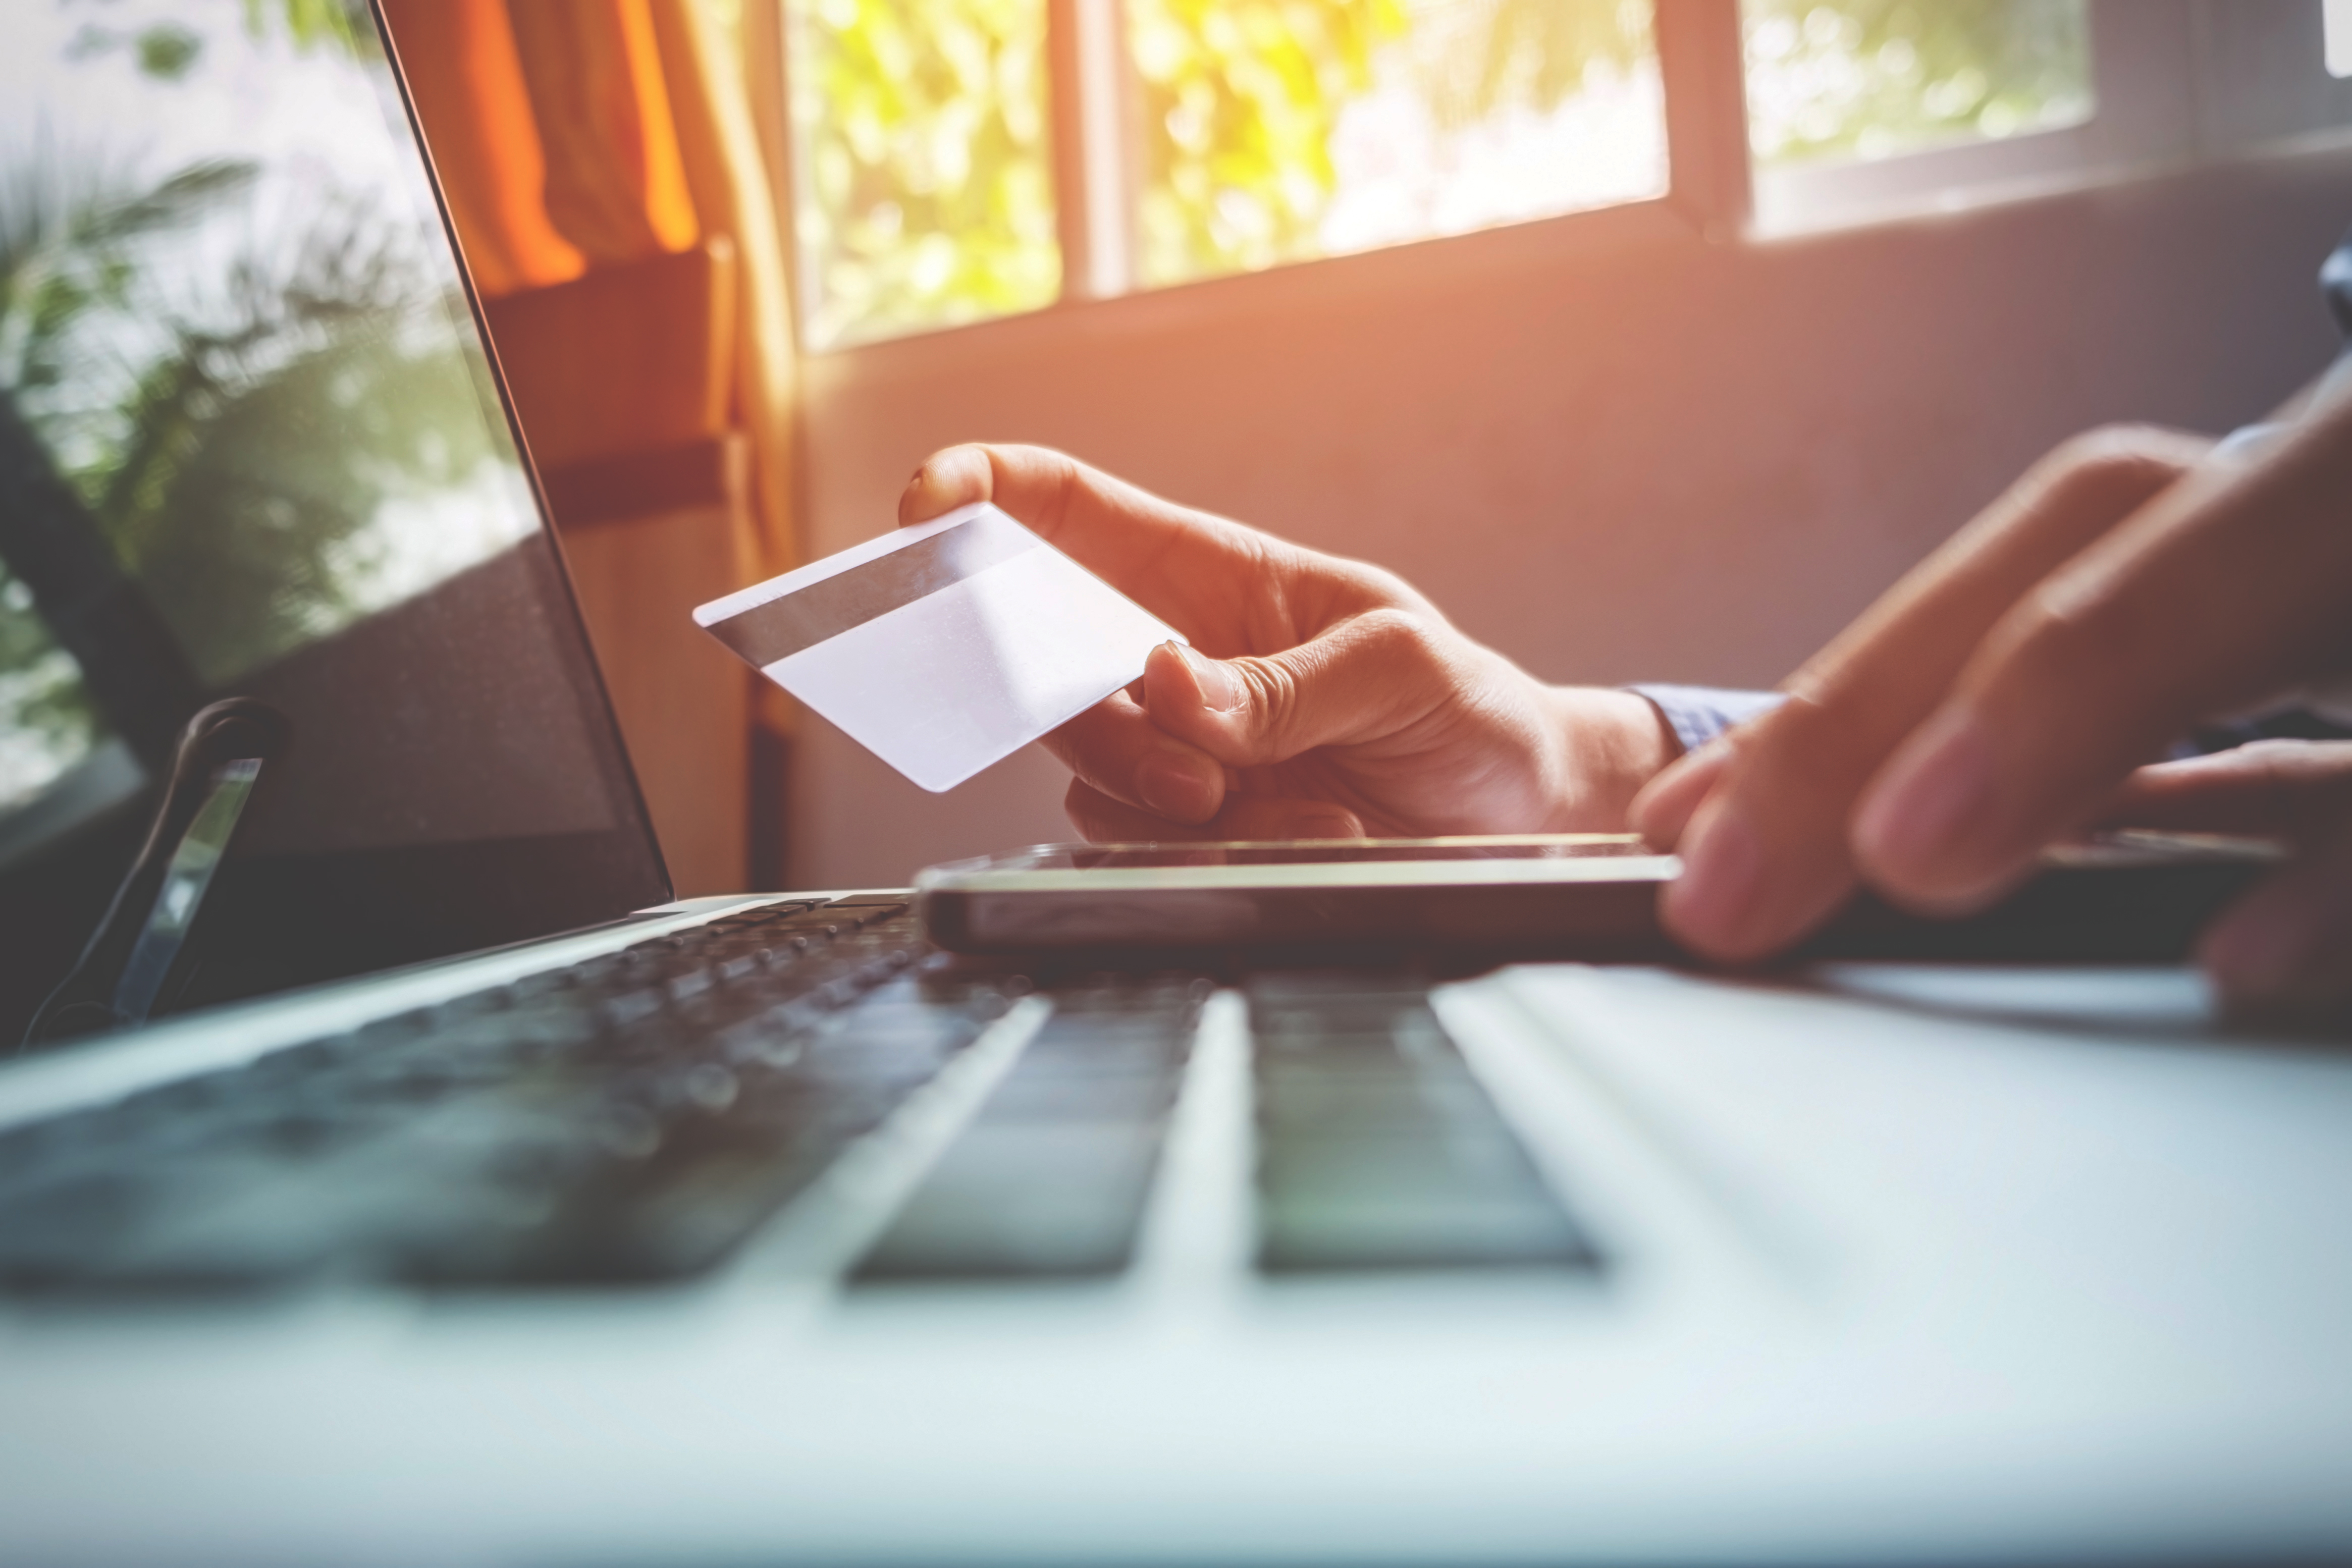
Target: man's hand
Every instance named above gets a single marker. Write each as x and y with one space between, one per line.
2001 695
1320 698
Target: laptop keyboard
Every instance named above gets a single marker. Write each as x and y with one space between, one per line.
632 1119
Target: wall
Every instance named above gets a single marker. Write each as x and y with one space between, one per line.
1603 446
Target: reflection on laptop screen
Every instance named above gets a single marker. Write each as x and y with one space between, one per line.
250 444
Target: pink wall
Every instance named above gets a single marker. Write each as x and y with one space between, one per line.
1603 446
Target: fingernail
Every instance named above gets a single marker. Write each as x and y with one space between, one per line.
1923 815
1722 878
1335 824
1219 688
1175 787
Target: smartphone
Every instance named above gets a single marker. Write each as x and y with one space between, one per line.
2117 897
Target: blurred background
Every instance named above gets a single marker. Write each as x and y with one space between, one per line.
1652 340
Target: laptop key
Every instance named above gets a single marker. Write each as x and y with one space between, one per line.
1378 1148
1040 1199
1050 1178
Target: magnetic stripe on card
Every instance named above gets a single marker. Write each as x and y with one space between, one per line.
782 627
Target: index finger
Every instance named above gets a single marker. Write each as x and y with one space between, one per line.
1766 851
1176 562
2224 592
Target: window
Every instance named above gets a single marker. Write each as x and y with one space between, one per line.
1872 78
963 159
1276 132
924 174
1243 133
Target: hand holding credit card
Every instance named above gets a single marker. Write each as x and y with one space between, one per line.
941 648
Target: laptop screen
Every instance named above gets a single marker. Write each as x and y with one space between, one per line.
250 444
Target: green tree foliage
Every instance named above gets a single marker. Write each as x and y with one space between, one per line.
248 464
243 395
46 723
168 51
71 231
343 24
1239 98
925 164
1535 52
1870 77
923 139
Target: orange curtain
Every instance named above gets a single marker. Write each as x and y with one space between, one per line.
616 184
574 134
709 96
468 85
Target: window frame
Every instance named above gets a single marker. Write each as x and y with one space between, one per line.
2173 81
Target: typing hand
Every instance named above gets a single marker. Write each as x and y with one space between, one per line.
1321 697
2286 948
2007 692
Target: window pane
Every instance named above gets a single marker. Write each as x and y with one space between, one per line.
1279 130
1868 78
925 183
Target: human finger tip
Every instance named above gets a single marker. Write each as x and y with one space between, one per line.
1711 906
1194 698
1663 806
1165 669
2280 955
2250 952
1930 830
1186 680
951 478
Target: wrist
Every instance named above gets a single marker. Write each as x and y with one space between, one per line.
1609 744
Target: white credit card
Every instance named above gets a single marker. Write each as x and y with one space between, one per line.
941 648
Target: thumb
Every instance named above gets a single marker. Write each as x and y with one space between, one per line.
954 477
1364 679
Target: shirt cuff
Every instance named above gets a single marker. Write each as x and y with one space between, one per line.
1698 714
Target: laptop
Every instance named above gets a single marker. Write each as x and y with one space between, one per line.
446 1192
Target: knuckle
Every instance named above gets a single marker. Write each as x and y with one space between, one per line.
2115 467
1377 582
1812 755
1271 693
1397 636
2049 645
